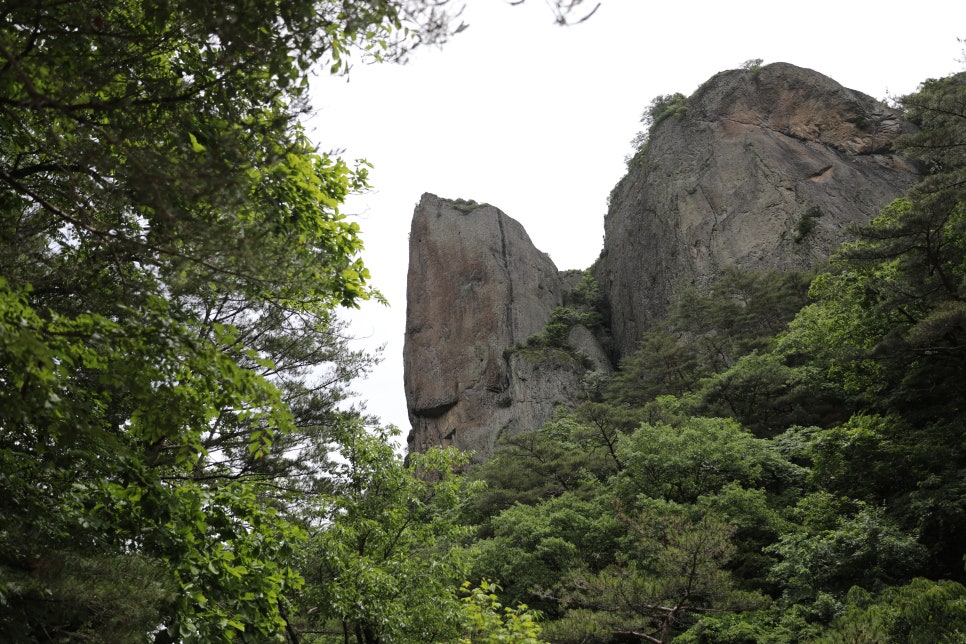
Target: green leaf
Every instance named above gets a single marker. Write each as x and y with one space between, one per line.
195 146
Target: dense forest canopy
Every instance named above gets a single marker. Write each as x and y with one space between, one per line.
782 460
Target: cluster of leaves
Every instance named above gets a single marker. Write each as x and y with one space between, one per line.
807 223
562 320
709 342
465 206
487 621
768 467
383 559
752 64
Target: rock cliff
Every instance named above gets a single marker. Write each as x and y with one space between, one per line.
476 288
760 168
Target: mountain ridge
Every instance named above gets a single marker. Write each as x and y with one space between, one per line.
763 168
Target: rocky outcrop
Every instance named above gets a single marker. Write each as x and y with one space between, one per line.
763 168
477 287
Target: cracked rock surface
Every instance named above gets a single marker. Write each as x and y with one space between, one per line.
764 168
476 287
728 180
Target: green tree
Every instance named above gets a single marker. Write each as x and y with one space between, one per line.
172 250
758 520
708 332
660 108
741 312
869 458
573 453
672 570
920 612
900 289
383 562
887 328
699 458
531 546
842 543
485 623
662 364
767 395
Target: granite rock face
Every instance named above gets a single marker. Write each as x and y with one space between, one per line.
762 169
476 287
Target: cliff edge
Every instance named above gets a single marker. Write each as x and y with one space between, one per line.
477 287
762 168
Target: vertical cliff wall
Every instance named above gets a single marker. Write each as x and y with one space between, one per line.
476 287
763 168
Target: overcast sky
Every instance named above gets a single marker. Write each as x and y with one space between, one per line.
536 119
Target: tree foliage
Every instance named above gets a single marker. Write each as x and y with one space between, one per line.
178 461
172 252
918 612
682 464
485 623
383 561
673 568
660 108
709 332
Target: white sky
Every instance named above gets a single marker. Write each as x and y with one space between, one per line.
536 119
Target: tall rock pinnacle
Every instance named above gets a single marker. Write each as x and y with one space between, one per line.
476 287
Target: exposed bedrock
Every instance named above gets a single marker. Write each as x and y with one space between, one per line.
762 168
476 287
